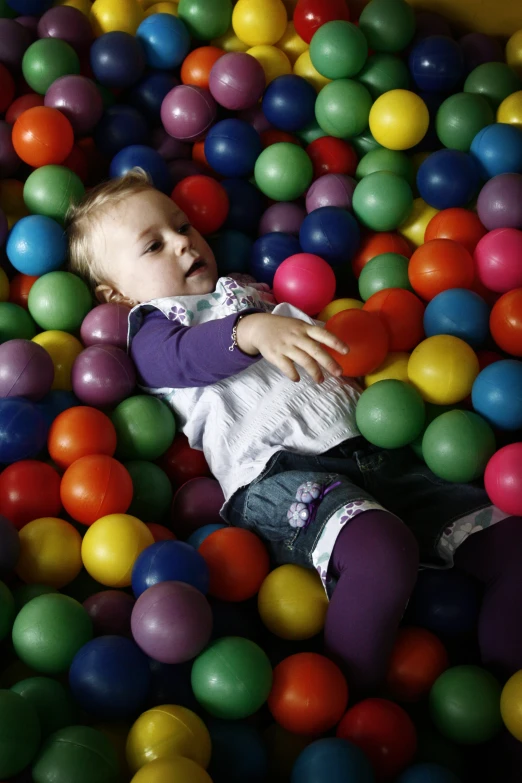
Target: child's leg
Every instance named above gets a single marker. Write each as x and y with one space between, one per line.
376 560
494 557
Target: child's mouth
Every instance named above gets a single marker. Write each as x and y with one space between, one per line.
197 267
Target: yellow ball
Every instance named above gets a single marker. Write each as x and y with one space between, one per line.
514 52
166 731
81 5
4 286
111 546
510 110
50 552
414 227
303 67
275 62
230 42
399 119
292 602
258 22
394 367
292 44
63 348
511 705
162 8
12 200
174 770
110 15
337 306
442 369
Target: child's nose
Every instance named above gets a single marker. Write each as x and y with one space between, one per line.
181 243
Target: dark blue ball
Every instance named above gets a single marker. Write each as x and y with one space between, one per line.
29 7
147 159
458 312
165 40
437 64
497 394
246 205
238 752
428 773
497 149
448 178
169 561
55 402
232 148
120 126
36 245
445 602
332 760
199 535
147 95
269 252
117 59
289 102
331 233
232 250
23 429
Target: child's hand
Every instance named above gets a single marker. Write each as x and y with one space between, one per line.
283 341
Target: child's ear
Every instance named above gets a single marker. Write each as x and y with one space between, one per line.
105 293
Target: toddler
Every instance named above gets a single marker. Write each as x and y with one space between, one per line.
253 386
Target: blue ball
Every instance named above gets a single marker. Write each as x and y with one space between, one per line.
23 429
165 40
36 245
332 760
147 159
117 59
497 394
331 233
445 602
437 64
199 535
147 95
428 773
232 148
246 205
109 678
269 252
232 250
238 752
458 312
29 7
120 126
289 102
169 561
55 402
498 150
448 178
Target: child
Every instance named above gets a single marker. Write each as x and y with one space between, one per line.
253 387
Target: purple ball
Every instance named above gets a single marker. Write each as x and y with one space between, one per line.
103 375
78 99
479 48
69 24
256 118
106 325
499 204
30 23
171 622
26 370
284 216
110 612
187 112
196 503
181 169
4 228
237 81
9 160
9 546
14 40
331 190
168 147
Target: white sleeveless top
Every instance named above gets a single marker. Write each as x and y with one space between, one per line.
241 421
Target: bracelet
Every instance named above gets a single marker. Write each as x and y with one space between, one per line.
234 334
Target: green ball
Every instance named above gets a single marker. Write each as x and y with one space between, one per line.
338 50
495 81
145 427
460 118
76 754
388 270
342 108
6 12
19 733
25 593
46 60
389 25
53 704
50 190
384 72
386 160
458 445
283 171
49 631
152 493
364 143
310 132
15 322
59 300
390 414
7 610
232 678
382 201
432 411
206 19
465 705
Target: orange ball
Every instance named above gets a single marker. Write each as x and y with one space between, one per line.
309 693
418 658
198 64
439 265
374 244
458 224
80 431
95 486
505 322
19 288
42 136
402 314
237 561
160 532
365 335
198 154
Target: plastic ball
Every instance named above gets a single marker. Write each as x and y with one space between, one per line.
237 81
457 446
105 324
417 660
67 24
443 369
399 119
117 59
386 160
198 536
439 265
330 190
139 155
289 102
63 348
269 252
20 731
15 323
108 16
173 561
390 414
495 81
310 15
499 202
291 43
428 773
110 548
246 205
448 178
511 705
283 171
29 490
401 313
331 233
103 375
79 752
232 148
94 486
458 224
59 300
50 553
258 22
330 155
204 201
388 26
23 430
50 190
178 768
387 270
206 19
382 73
187 112
459 312
503 479
15 40
414 227
331 759
436 64
110 612
498 150
509 111
382 201
197 65
375 244
120 126
42 135
282 608
366 337
495 394
196 503
36 245
237 561
445 602
505 322
338 50
46 60
459 119
495 259
51 700
303 67
26 370
343 107
305 281
165 40
145 427
283 218
152 490
394 367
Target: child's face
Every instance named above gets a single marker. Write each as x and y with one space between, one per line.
149 250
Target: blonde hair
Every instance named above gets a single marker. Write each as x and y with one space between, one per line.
81 218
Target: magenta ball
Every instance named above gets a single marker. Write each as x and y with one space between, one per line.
196 503
9 160
30 23
26 370
305 281
497 259
285 217
499 204
237 81
68 24
78 99
187 112
331 190
14 40
256 118
103 375
106 325
110 612
168 147
503 479
171 622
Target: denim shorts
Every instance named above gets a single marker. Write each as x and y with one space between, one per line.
394 479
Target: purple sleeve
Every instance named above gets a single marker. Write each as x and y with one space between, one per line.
169 354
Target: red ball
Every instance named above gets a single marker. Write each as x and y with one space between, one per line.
94 486
197 65
402 313
375 244
203 200
458 224
21 104
309 15
19 288
385 734
78 432
439 265
160 532
365 335
181 463
503 479
29 490
309 693
237 561
274 136
418 658
488 357
77 162
7 88
505 322
42 136
305 281
196 503
332 156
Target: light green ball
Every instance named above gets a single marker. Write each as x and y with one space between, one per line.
390 414
47 60
382 201
145 428
458 445
283 171
460 118
342 108
384 72
59 300
338 50
389 25
386 160
50 191
388 270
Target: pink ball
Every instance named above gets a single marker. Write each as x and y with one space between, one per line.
503 479
187 112
305 281
498 259
330 190
237 81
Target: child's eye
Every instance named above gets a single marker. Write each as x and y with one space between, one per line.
153 247
184 229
